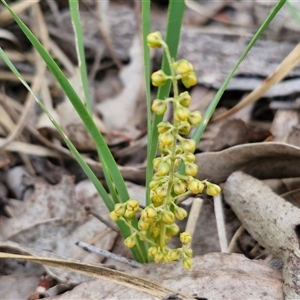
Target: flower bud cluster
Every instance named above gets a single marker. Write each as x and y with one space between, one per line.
157 222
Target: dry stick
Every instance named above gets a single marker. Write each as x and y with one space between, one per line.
237 234
194 215
107 254
280 72
219 215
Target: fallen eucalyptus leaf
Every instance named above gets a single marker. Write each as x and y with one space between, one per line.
262 160
214 276
270 220
128 280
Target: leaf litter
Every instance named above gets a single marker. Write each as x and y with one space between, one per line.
49 221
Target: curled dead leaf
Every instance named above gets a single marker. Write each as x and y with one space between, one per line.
262 160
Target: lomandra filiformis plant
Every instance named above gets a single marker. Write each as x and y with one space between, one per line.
157 223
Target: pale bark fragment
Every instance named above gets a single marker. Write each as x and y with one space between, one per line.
271 220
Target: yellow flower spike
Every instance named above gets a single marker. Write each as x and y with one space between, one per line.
159 78
195 118
159 107
163 168
154 40
172 229
166 139
168 217
180 213
179 188
183 67
189 80
185 99
188 146
130 241
212 189
114 217
184 128
185 238
132 205
120 209
191 169
188 252
196 186
187 263
152 251
143 225
181 114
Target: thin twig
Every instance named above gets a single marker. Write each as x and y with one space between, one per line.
194 215
219 214
237 234
124 260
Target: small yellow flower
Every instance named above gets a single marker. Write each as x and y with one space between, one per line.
180 213
132 205
189 80
129 214
172 229
168 217
163 168
185 238
212 189
196 186
162 127
120 209
159 107
143 225
159 78
152 251
188 252
114 217
181 114
195 118
187 263
184 128
185 99
166 139
183 67
158 257
188 146
179 188
154 40
130 241
191 169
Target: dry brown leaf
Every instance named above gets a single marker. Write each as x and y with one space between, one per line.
214 276
262 160
271 220
118 277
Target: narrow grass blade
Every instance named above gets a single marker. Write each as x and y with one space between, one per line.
106 157
210 110
175 15
75 17
139 252
112 174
